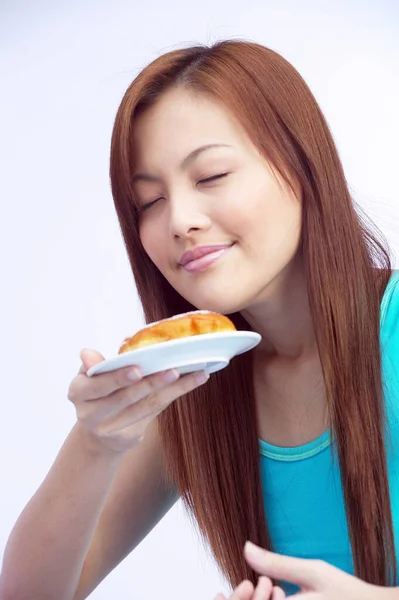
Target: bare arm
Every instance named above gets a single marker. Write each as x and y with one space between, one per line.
105 491
48 544
55 549
130 513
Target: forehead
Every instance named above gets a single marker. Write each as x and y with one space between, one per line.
181 119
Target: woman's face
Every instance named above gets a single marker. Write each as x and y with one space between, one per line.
243 205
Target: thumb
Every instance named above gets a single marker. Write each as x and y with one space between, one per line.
89 358
302 572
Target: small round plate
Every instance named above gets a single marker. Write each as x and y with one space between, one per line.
209 352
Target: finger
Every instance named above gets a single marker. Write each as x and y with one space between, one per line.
278 593
103 384
89 358
243 592
107 406
302 572
147 407
263 589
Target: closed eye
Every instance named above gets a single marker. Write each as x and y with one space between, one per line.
147 206
207 180
213 178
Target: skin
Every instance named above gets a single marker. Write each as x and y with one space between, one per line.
317 580
262 274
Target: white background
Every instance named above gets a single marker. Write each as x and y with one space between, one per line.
65 278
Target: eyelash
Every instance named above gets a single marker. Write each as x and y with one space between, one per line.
147 206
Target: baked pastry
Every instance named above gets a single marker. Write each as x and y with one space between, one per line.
184 325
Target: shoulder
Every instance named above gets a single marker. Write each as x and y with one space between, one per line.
390 307
390 353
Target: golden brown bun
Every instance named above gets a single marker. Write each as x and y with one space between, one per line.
179 326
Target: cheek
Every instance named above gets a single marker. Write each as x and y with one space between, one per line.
151 243
143 235
266 219
154 245
249 210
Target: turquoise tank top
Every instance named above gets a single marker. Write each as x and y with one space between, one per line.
302 488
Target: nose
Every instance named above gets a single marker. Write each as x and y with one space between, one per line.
186 216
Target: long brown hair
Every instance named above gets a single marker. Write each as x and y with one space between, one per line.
210 437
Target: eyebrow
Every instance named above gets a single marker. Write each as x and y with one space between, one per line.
189 159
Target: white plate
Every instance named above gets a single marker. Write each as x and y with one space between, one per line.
209 352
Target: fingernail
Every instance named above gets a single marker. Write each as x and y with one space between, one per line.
202 377
134 374
252 550
170 376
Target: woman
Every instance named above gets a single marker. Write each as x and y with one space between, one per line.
293 446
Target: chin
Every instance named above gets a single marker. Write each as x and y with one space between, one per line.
221 295
223 307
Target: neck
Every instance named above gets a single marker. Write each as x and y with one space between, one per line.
291 401
289 385
282 317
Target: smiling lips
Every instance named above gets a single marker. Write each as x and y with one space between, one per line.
203 256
